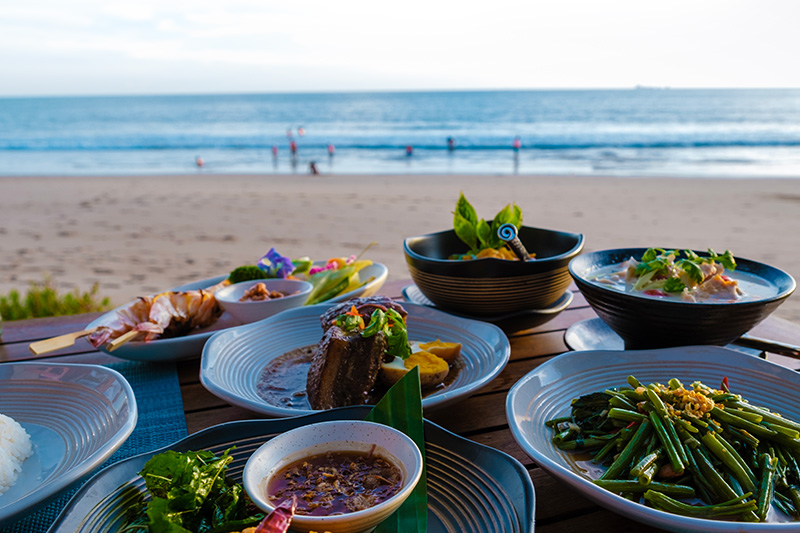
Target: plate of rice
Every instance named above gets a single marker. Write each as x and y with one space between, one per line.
58 422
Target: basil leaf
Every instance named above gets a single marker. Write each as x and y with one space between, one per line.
465 230
504 216
674 285
484 234
465 209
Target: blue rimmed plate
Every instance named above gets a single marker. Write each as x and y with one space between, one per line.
471 487
233 360
190 346
76 416
546 392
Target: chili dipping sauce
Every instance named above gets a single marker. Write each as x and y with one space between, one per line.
336 483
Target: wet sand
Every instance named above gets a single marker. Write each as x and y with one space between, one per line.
138 235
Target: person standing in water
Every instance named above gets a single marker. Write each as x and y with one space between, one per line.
409 150
451 144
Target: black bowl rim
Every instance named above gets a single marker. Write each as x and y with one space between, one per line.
576 249
580 279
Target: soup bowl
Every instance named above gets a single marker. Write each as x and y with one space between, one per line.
647 322
386 442
490 286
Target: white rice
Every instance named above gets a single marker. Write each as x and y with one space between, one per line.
15 447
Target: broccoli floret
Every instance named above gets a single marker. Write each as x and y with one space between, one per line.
246 273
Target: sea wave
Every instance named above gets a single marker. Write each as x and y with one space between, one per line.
71 145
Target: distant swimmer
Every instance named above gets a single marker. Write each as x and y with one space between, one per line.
331 149
301 131
274 151
288 133
199 161
409 150
451 144
517 143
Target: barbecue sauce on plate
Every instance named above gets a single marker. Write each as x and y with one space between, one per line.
283 381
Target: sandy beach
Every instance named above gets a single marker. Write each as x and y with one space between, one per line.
138 235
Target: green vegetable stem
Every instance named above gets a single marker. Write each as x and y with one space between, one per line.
663 443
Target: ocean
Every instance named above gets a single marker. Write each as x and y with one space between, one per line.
636 132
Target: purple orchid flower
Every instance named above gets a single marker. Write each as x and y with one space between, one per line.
276 265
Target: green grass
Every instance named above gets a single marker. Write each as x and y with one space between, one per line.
43 299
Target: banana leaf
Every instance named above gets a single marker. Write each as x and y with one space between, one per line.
401 408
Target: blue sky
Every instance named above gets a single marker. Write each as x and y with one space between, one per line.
87 47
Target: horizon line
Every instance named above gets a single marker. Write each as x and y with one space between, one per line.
634 88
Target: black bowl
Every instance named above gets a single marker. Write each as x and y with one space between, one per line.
645 322
490 286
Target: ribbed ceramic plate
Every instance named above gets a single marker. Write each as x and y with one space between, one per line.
471 488
76 416
547 391
233 359
190 346
533 317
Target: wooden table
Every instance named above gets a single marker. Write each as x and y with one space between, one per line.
481 418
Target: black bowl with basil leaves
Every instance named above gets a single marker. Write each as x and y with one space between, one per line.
490 286
645 322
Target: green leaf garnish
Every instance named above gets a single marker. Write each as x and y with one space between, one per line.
478 234
401 408
725 259
484 231
465 210
190 492
466 231
393 326
692 268
674 285
658 264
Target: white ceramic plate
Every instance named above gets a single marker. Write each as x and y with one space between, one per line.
547 391
233 359
190 346
76 415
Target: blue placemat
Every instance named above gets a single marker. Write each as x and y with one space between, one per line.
161 422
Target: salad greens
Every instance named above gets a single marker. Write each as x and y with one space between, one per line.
390 322
190 493
478 234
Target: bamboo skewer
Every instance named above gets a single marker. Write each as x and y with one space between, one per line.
122 339
56 343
